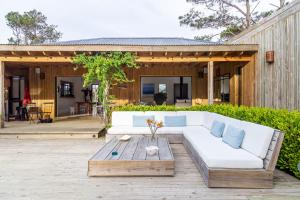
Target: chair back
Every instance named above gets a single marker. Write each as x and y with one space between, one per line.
47 107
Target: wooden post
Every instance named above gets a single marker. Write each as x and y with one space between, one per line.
2 110
210 79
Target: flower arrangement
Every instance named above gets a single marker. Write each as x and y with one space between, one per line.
154 126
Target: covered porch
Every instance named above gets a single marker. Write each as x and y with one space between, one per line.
190 75
75 127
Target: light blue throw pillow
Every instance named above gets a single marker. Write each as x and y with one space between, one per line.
175 121
217 128
141 120
234 136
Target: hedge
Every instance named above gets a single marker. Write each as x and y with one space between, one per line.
287 122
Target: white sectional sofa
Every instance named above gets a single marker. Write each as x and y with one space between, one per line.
250 166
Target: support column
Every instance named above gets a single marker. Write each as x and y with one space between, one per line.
2 110
210 84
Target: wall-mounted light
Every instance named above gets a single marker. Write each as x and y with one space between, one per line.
37 70
270 57
205 71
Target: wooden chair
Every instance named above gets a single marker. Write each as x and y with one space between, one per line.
33 110
47 108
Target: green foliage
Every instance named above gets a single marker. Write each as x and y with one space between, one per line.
107 69
160 98
228 18
31 28
287 122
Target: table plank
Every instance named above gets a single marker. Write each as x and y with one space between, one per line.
130 149
140 152
152 143
165 152
118 148
106 150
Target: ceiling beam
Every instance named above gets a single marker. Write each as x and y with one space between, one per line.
141 59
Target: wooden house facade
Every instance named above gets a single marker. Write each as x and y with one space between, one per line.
278 61
212 73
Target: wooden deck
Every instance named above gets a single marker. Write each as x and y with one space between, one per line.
77 127
57 169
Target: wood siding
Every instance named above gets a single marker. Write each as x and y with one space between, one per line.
44 90
278 84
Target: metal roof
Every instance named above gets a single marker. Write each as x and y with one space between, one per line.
149 41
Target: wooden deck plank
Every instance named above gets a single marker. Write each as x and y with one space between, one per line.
152 143
119 148
140 152
131 147
105 150
164 149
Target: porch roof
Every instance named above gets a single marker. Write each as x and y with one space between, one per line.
146 49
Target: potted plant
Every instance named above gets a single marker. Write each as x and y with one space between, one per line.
160 98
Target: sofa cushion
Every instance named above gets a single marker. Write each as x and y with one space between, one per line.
193 118
217 154
217 128
141 120
124 118
175 121
233 137
257 137
170 130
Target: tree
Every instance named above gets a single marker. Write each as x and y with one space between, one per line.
107 69
31 28
229 16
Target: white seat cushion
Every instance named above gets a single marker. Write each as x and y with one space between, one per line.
257 137
170 130
217 154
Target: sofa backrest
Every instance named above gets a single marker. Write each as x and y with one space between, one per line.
193 118
124 118
257 137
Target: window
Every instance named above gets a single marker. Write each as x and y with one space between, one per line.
66 89
221 88
148 89
162 88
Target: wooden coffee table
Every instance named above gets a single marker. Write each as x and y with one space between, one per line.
132 159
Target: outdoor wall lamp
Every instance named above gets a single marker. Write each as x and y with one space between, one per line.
37 70
270 57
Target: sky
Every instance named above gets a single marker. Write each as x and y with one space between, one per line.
78 19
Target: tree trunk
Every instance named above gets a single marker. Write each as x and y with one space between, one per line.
248 14
282 2
105 104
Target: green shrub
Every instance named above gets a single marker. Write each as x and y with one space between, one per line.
287 122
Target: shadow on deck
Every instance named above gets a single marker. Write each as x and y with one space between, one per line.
79 127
